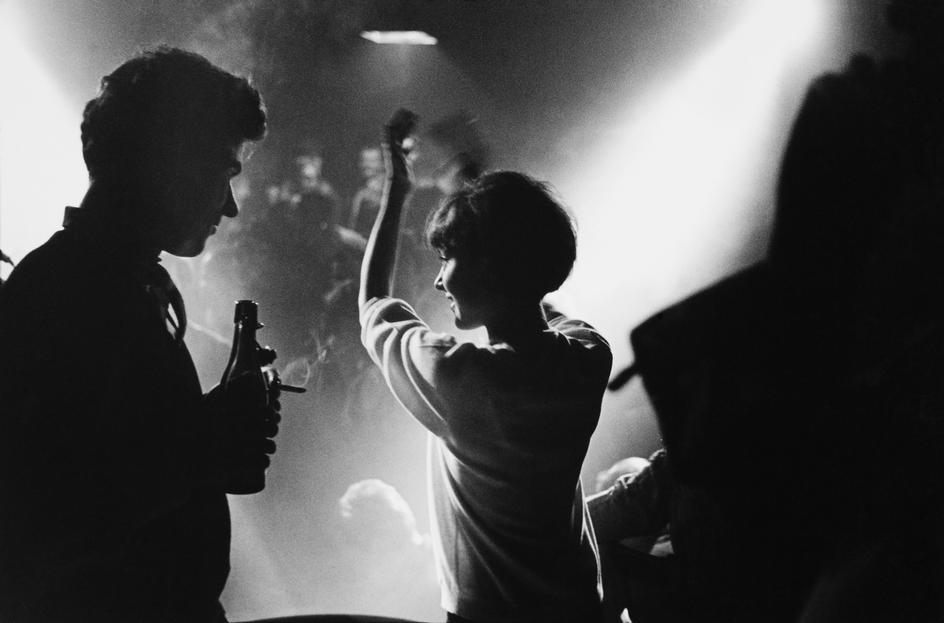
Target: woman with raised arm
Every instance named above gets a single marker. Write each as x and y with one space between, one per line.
510 422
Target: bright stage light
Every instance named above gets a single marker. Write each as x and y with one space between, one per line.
402 37
41 167
668 201
793 25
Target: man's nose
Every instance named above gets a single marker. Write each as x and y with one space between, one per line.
230 208
438 283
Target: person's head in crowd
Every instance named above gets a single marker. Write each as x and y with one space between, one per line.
375 513
504 242
451 152
309 165
162 140
371 166
371 163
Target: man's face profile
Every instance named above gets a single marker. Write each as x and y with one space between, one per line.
196 199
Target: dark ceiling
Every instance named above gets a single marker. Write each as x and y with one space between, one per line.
528 69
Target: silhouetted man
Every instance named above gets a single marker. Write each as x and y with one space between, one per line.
803 394
114 463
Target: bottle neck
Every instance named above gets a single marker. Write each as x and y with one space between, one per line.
244 348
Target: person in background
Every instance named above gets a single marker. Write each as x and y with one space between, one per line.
307 187
302 240
366 201
390 560
663 547
510 421
115 465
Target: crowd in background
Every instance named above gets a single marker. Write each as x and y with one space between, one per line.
297 248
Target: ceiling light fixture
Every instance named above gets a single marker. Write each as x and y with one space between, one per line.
402 37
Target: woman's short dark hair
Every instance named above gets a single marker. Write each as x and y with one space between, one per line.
163 100
515 225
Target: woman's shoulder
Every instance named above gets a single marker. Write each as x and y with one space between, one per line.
581 338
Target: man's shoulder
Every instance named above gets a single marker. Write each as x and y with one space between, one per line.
58 278
41 306
43 270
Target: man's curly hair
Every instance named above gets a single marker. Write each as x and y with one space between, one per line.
162 102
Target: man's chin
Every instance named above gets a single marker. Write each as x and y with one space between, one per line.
465 325
187 248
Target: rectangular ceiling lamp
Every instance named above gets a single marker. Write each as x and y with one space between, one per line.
402 37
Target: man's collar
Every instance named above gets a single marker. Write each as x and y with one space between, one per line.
68 218
107 236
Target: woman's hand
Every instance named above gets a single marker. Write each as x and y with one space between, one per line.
401 124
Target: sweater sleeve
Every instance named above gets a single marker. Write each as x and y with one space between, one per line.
637 505
418 364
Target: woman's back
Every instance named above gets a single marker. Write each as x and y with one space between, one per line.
511 432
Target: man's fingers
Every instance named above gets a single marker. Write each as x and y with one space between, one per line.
270 429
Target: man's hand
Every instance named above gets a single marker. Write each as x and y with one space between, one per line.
241 436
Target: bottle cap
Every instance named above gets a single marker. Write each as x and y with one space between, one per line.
247 311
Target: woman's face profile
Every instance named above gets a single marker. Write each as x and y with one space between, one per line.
462 282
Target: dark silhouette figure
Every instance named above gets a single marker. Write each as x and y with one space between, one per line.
114 462
366 200
804 394
663 548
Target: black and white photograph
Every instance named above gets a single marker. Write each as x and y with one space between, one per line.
472 311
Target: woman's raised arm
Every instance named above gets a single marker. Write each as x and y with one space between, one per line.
381 253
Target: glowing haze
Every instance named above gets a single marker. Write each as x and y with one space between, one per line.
41 168
667 201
